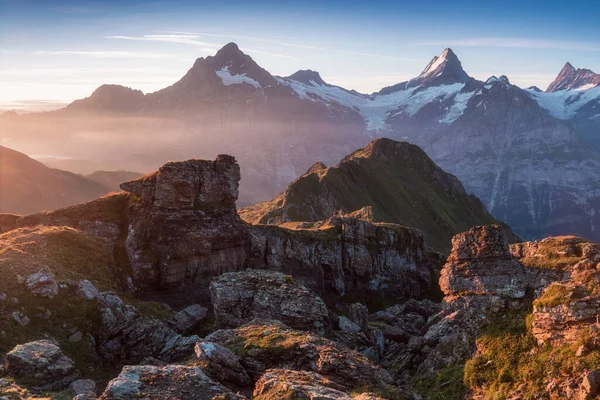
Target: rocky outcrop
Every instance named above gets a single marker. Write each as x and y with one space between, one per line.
481 264
168 382
183 227
42 365
261 345
183 230
240 297
345 255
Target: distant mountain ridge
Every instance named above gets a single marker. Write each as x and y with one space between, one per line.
28 186
529 155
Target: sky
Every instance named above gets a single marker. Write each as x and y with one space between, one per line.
53 52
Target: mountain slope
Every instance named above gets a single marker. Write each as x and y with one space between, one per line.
113 179
28 186
396 179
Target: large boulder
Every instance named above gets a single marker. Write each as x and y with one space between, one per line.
240 297
167 382
41 364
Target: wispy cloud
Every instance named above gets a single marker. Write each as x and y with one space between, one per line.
513 43
191 39
288 44
171 38
73 10
101 54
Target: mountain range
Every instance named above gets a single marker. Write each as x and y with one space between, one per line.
530 156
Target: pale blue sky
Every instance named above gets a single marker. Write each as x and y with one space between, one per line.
62 50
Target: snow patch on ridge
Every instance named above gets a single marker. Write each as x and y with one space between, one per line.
376 109
229 79
565 103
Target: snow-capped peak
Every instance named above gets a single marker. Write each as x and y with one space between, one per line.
446 66
571 78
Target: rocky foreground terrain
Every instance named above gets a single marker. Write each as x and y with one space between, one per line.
163 292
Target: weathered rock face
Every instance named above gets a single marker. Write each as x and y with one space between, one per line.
347 255
240 297
127 336
481 263
168 382
184 227
41 364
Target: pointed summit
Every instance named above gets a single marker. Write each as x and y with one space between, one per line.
230 61
571 78
308 76
442 70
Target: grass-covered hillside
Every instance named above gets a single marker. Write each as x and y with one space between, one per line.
398 180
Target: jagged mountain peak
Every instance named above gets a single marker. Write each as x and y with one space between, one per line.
571 78
446 64
307 76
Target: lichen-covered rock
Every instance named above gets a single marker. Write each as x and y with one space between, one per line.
240 297
222 365
42 365
262 345
189 318
42 283
184 227
128 336
168 382
297 385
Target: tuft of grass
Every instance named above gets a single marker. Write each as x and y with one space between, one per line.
447 384
556 294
